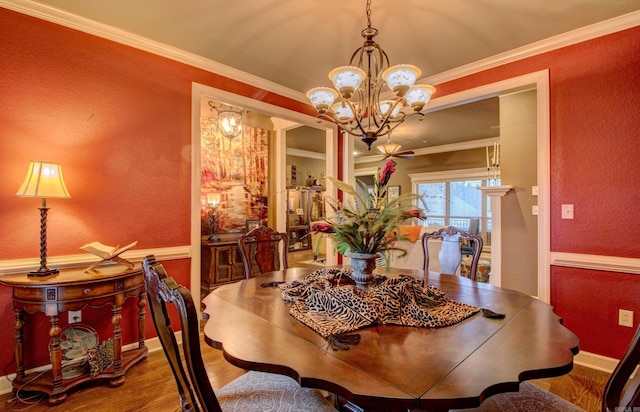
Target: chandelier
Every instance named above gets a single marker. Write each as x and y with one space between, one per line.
229 120
360 110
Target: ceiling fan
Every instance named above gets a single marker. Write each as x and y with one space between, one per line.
391 149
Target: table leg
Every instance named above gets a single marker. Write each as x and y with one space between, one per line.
142 303
116 319
56 360
19 343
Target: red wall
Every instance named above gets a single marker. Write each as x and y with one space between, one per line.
595 147
118 119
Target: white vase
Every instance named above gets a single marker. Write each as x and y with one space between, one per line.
449 254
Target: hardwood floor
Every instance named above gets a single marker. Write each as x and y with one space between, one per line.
150 386
583 387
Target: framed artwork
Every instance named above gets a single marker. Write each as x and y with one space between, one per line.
393 192
251 224
238 169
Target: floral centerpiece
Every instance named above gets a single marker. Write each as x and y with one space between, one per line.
369 227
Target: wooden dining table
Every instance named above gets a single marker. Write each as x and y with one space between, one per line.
395 367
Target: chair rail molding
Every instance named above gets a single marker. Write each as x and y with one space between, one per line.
86 259
495 193
596 262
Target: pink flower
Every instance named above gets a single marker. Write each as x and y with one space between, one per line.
417 213
387 171
321 227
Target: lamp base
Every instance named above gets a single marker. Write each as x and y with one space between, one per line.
43 272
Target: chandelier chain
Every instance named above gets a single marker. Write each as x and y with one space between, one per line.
368 14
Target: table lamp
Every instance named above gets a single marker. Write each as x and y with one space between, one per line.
44 180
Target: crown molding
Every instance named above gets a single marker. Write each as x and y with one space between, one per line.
306 153
63 18
452 147
458 174
603 28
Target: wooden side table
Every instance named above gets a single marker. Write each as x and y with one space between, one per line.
73 289
220 262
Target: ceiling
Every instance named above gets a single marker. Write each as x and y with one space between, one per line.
295 43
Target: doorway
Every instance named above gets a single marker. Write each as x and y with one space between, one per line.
538 81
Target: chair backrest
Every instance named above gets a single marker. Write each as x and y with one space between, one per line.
474 226
196 393
616 397
450 255
263 250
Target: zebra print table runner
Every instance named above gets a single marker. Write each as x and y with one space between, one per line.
329 303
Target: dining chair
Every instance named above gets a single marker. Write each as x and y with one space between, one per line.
450 254
466 248
260 251
253 391
620 393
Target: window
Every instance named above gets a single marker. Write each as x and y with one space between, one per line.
453 199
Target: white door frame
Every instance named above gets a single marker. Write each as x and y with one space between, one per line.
198 91
540 82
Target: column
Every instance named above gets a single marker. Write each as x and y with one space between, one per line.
495 194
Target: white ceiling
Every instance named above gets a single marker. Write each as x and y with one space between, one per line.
295 43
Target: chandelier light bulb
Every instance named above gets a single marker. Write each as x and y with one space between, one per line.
230 123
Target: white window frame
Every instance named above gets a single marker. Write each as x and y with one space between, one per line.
455 175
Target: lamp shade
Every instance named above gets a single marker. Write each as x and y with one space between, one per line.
322 98
44 180
347 79
342 112
419 95
389 148
400 77
386 105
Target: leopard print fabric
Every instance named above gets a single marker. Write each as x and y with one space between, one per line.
100 358
331 305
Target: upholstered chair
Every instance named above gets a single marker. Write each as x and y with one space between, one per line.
253 391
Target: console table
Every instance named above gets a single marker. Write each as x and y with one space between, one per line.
220 262
73 289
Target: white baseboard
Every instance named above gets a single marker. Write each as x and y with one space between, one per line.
594 361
